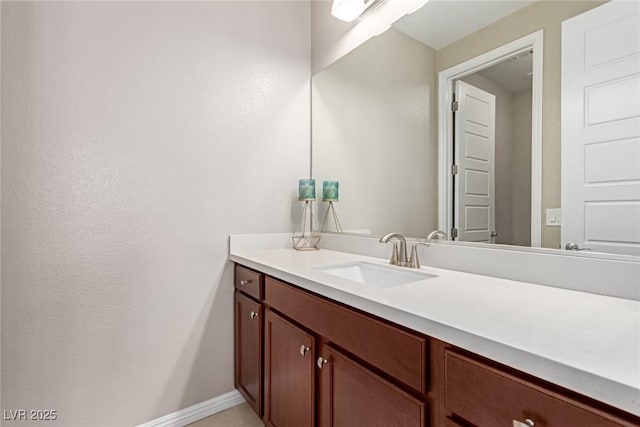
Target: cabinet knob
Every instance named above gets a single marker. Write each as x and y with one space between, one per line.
321 361
303 349
253 314
526 423
245 282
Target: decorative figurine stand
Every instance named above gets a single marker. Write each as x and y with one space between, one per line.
304 239
330 194
331 210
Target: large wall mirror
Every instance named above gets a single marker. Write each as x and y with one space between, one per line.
378 124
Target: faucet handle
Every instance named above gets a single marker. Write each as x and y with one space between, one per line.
394 253
414 262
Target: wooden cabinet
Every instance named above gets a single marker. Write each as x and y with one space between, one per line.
450 422
249 282
353 396
289 374
248 314
393 350
484 395
303 360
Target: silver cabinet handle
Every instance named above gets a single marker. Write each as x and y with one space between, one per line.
303 349
245 282
321 361
526 423
253 314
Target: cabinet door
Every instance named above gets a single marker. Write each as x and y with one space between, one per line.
249 350
289 374
353 396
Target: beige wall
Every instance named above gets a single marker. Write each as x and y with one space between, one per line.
136 136
374 131
521 167
547 15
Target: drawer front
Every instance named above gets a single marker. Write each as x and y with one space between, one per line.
398 353
249 282
486 396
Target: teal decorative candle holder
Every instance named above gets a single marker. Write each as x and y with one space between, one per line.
330 191
306 189
304 239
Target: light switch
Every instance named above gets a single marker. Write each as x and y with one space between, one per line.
554 217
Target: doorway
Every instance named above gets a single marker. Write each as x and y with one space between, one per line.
518 222
492 189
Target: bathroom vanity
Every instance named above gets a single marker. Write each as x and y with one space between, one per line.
489 335
316 349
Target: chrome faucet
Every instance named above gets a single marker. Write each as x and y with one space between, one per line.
414 262
435 235
399 254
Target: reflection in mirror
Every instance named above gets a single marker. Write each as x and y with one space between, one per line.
375 115
492 150
374 132
480 132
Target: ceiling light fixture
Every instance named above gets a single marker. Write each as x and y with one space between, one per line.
418 7
350 10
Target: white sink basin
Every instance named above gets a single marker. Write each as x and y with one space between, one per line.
374 274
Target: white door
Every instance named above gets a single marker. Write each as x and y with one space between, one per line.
474 146
601 129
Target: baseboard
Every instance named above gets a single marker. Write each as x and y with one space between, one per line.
198 411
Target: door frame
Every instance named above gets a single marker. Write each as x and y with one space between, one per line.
446 79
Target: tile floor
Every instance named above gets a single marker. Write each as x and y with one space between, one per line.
238 416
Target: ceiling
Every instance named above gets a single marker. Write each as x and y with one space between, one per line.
441 22
513 74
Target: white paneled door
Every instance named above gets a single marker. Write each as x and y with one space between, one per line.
474 146
601 129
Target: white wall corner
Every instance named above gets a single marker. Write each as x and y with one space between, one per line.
198 411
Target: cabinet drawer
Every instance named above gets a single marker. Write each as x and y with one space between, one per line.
401 354
486 396
249 282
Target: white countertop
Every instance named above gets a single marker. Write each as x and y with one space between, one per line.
585 342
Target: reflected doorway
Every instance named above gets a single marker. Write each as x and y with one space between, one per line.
505 205
492 153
